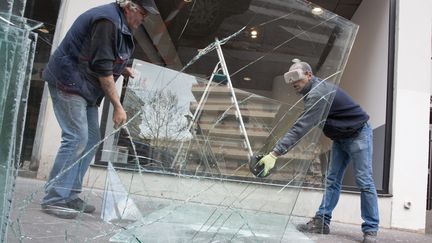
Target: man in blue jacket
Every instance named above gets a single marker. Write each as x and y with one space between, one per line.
83 70
347 125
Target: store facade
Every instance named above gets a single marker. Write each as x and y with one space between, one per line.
388 72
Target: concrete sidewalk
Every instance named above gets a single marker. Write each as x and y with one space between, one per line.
30 224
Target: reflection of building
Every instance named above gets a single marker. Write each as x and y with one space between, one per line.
218 127
378 66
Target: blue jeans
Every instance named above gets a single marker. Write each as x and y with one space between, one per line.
359 151
80 132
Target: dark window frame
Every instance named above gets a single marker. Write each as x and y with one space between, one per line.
389 104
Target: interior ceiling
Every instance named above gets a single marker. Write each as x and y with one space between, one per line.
201 30
344 8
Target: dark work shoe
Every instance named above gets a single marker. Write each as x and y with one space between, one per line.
370 237
60 210
315 225
81 206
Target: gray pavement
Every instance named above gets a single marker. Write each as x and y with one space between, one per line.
30 224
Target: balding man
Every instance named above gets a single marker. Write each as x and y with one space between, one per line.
347 126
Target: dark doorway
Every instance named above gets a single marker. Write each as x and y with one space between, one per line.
45 11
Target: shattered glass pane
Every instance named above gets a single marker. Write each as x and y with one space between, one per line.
207 95
189 129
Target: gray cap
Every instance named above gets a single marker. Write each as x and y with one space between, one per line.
148 5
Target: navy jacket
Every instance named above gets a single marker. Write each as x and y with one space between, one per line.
70 67
343 120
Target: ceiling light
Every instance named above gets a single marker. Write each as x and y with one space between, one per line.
247 79
317 10
253 33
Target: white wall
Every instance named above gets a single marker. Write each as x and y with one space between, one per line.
365 75
411 113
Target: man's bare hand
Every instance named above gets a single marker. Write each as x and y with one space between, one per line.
128 72
119 117
108 86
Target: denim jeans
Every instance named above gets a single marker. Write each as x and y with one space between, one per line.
80 132
359 151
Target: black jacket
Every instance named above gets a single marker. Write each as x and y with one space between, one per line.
343 119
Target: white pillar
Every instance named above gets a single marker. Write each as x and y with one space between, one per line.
411 114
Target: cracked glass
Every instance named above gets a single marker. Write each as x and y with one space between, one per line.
208 94
17 45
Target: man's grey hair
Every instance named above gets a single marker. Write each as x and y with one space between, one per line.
301 65
124 3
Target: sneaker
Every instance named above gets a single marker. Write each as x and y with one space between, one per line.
370 237
60 210
81 206
316 225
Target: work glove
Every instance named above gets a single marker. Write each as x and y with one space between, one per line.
268 161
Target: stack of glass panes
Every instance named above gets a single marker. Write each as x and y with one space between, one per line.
17 46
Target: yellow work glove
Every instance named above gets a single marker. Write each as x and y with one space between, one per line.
268 161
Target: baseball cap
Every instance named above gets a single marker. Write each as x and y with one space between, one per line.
148 5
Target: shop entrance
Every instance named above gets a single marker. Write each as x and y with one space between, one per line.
45 11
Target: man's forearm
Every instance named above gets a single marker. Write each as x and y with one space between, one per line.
108 86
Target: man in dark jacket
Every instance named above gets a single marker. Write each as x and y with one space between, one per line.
347 125
83 70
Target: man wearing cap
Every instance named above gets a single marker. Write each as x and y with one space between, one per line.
347 125
83 70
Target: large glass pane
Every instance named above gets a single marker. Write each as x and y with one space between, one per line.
189 128
17 46
208 95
